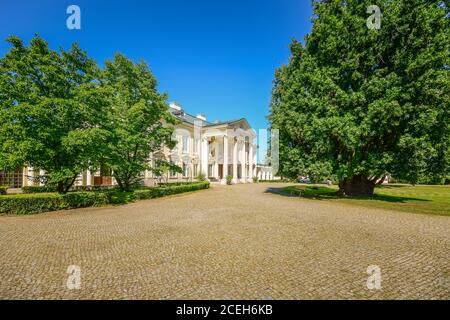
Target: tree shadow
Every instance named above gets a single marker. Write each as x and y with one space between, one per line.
324 193
395 186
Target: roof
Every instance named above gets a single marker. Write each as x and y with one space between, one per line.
186 117
220 123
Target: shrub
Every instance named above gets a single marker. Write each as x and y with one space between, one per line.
42 202
229 179
201 177
151 193
170 184
3 190
38 189
28 204
47 189
447 180
255 179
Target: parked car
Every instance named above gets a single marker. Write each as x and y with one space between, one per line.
304 180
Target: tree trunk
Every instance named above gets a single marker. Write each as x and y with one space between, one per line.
60 187
70 184
357 186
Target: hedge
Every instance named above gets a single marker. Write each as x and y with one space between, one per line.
3 190
166 190
28 204
279 180
47 189
42 202
179 183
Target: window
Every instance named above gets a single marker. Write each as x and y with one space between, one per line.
12 179
210 170
185 170
173 174
196 143
195 170
185 144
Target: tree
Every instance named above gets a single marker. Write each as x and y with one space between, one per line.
360 103
162 169
51 108
138 119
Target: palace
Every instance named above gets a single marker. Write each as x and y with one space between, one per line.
215 149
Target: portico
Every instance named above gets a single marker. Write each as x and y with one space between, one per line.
230 151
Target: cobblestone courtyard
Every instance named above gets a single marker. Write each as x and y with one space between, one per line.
229 242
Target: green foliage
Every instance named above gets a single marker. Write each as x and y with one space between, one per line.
51 111
49 188
201 177
29 204
3 190
255 179
42 202
38 189
138 119
229 179
162 169
357 103
171 184
151 193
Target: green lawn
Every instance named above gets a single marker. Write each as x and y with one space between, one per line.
407 198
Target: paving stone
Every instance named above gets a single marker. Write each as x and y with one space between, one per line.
229 242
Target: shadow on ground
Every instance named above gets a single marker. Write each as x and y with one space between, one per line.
325 193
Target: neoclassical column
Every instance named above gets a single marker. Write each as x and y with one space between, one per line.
216 156
243 178
250 160
235 160
41 174
88 178
30 176
204 157
25 176
225 157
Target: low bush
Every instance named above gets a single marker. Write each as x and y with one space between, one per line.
38 189
229 179
42 202
47 189
171 184
3 190
151 193
201 177
28 204
255 179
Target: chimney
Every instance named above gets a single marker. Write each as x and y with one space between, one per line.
175 106
201 117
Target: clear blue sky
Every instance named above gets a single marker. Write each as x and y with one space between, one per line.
214 57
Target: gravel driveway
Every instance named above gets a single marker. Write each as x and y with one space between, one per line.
229 242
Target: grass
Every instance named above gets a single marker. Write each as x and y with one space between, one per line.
415 199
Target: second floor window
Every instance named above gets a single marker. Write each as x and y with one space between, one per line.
196 143
185 144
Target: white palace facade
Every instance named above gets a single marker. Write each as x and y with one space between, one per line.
215 149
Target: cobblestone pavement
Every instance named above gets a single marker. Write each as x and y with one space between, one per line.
229 242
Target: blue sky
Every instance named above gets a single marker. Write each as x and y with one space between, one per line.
214 57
